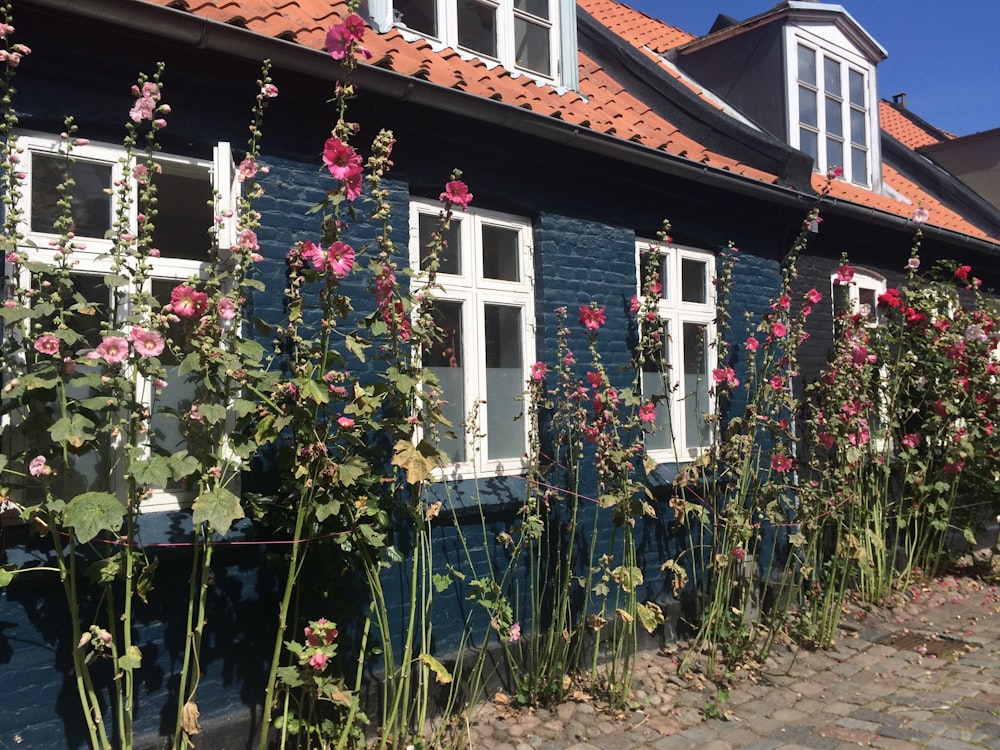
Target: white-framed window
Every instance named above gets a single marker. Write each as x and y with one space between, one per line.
832 108
520 34
859 296
190 193
683 379
486 311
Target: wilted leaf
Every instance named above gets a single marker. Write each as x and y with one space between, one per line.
189 721
441 675
93 512
650 616
432 511
418 460
145 583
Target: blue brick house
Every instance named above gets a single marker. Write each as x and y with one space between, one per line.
579 126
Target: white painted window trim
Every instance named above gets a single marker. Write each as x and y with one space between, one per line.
812 39
474 291
675 312
93 260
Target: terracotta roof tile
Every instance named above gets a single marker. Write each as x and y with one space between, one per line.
903 128
634 26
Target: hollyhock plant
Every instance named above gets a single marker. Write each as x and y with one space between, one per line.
47 344
962 273
781 463
226 308
457 193
188 302
845 274
592 317
145 342
340 159
647 413
113 349
538 371
39 466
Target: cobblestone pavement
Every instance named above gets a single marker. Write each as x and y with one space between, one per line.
925 674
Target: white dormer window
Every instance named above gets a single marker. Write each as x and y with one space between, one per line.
522 35
832 106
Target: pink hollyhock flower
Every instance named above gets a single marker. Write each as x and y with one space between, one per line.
752 344
456 192
781 463
340 158
145 103
514 633
592 318
920 216
6 30
593 378
814 296
39 466
188 302
962 273
634 305
783 302
226 308
779 329
826 440
835 173
844 274
338 41
354 26
953 467
340 259
248 239
739 554
318 661
913 263
146 343
725 375
247 169
647 413
269 90
47 344
113 349
777 382
538 371
141 173
345 422
353 183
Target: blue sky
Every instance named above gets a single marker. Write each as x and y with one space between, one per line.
943 53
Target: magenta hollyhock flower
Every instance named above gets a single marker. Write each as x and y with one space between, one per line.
634 304
962 273
345 422
113 349
354 26
779 329
318 661
781 463
226 308
593 378
340 259
146 343
457 193
835 173
911 440
953 467
47 344
38 466
814 296
338 41
826 440
647 413
739 554
538 371
725 375
752 344
844 274
592 318
353 183
514 633
340 158
777 382
188 302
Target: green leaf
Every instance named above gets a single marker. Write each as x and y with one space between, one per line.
356 346
103 572
182 464
189 364
113 280
650 616
131 660
154 470
441 582
250 349
212 413
145 582
242 407
441 675
75 430
312 391
219 508
6 576
93 512
351 470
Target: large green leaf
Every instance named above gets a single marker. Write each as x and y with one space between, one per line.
154 470
75 430
219 507
93 512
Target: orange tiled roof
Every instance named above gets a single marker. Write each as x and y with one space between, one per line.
601 104
636 27
903 128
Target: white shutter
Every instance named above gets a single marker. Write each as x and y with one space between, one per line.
227 191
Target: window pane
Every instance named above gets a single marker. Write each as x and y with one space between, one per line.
859 166
419 15
858 134
807 106
807 65
656 382
694 281
834 117
446 361
477 27
91 205
809 143
645 257
504 381
831 76
867 303
538 8
834 153
500 250
450 257
184 213
531 46
696 403
856 83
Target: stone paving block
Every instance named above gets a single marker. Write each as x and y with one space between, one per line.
890 743
864 726
846 734
944 743
761 744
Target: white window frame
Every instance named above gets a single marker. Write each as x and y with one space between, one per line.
863 279
848 60
384 16
470 288
674 312
93 259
